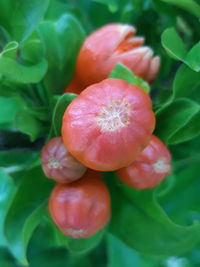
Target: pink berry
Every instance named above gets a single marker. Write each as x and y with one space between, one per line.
58 164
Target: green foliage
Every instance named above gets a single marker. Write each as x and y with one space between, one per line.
188 5
59 110
62 39
20 17
122 72
25 212
86 244
39 43
177 49
11 69
148 224
178 121
7 191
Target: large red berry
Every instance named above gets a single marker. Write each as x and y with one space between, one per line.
109 45
150 168
58 164
82 208
108 124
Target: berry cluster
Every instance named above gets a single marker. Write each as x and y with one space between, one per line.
108 127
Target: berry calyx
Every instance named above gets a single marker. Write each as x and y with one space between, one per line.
150 168
58 164
108 125
82 208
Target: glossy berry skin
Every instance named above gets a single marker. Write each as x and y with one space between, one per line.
108 124
150 168
82 208
58 164
111 44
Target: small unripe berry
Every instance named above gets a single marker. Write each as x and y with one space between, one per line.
150 168
58 164
108 125
111 44
82 208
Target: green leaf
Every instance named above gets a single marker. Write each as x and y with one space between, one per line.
112 4
10 50
186 82
23 73
8 88
62 39
26 211
52 257
121 255
20 73
84 245
178 121
32 51
183 194
20 17
193 57
9 107
7 191
59 110
189 5
140 222
173 44
122 72
176 48
6 260
26 123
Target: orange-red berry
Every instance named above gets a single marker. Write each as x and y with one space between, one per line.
150 168
82 208
108 125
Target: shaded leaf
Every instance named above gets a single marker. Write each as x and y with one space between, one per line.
26 211
112 5
84 245
183 194
9 107
26 123
186 82
7 191
189 5
178 121
20 17
140 222
193 57
59 110
62 39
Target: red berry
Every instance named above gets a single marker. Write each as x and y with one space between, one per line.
150 168
108 125
74 86
58 164
82 208
111 44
